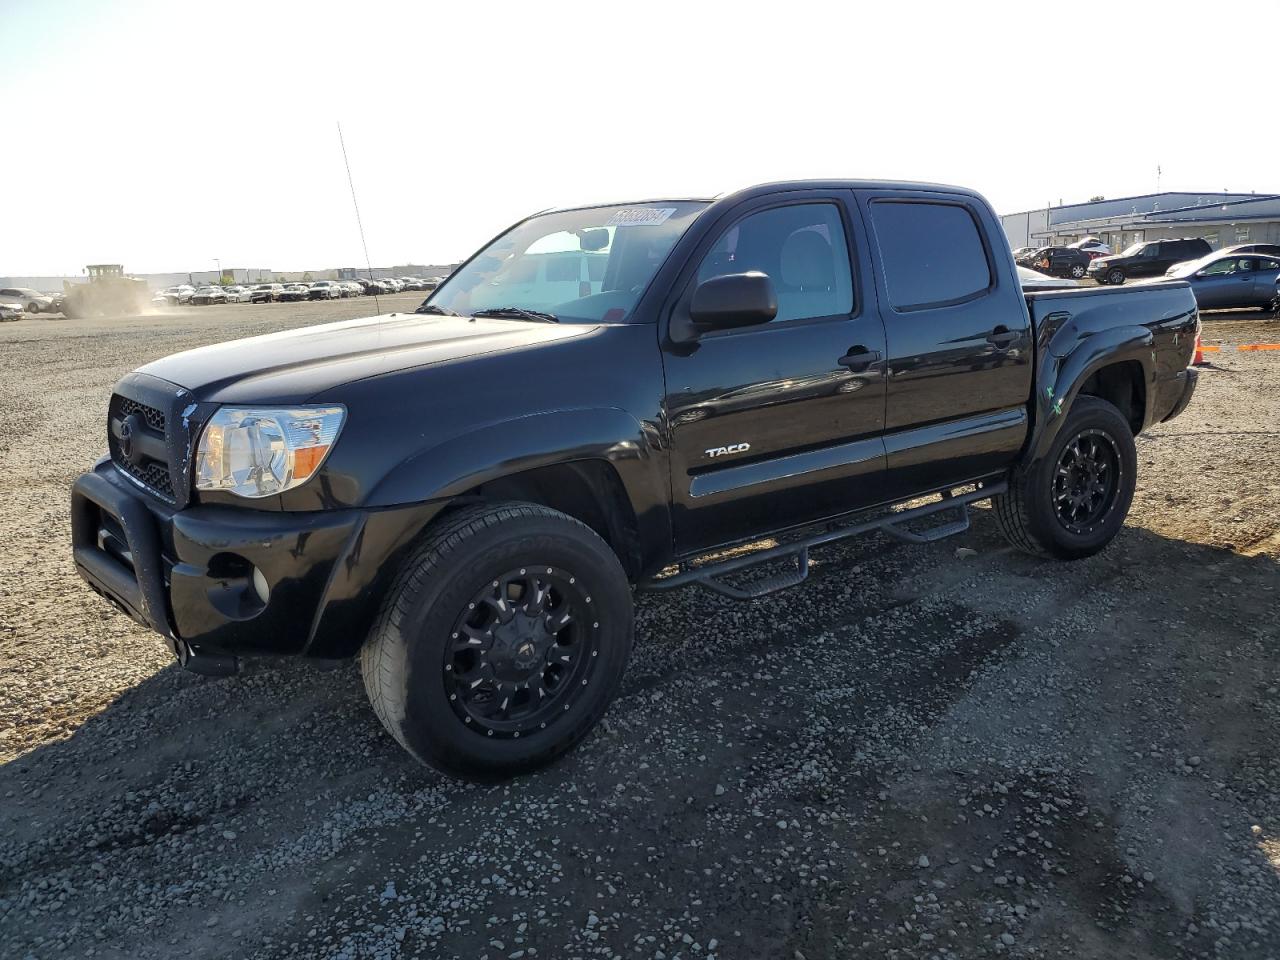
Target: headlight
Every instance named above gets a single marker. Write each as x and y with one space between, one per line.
255 452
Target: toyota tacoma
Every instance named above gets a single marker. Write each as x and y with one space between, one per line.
601 400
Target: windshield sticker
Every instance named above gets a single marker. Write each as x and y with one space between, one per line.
640 217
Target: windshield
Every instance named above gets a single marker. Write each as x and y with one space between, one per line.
1190 267
1133 249
584 266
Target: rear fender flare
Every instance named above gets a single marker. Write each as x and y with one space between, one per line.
1066 360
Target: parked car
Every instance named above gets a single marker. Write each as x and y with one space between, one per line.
353 488
1058 262
431 283
238 294
293 292
1092 246
1222 281
265 292
1150 258
32 301
354 288
208 295
1270 249
1020 253
392 285
324 290
179 294
11 311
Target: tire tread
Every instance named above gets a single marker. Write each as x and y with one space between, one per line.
382 657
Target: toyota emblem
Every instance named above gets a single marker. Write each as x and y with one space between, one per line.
125 440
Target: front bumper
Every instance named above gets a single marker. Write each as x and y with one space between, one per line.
195 576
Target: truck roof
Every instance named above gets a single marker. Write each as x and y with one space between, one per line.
784 186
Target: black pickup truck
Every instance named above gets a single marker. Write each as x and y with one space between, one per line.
599 400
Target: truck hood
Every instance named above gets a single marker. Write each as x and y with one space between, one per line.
295 365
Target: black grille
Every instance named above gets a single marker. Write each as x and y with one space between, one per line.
151 471
153 475
153 417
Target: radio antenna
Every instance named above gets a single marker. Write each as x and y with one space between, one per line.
359 224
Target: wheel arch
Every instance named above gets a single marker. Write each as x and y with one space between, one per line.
599 465
1116 365
588 490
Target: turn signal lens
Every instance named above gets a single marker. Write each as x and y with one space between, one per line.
255 452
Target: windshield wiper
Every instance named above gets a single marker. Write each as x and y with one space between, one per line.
520 312
432 308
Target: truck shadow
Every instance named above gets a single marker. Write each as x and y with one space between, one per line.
819 698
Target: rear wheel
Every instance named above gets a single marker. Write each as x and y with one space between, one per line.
1073 501
1077 271
502 641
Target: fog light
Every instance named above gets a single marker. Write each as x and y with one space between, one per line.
260 586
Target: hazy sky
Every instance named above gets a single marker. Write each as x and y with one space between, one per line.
162 135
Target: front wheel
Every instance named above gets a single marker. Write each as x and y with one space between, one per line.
1115 277
1073 501
502 641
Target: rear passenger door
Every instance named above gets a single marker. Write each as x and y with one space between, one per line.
1267 270
1151 261
959 344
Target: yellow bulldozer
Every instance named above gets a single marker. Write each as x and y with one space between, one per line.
109 293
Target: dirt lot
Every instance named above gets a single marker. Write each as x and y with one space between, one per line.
916 754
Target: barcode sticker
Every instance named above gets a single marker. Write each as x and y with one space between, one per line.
640 217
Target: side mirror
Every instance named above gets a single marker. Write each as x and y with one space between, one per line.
733 300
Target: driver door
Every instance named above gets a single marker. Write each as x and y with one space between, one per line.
779 423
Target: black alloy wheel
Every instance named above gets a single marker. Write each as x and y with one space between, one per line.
1072 501
520 651
502 640
1086 481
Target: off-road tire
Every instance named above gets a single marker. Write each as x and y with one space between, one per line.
1026 515
404 657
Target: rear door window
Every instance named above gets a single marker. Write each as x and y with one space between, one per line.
932 253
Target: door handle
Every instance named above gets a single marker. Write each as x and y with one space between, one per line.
859 358
1002 337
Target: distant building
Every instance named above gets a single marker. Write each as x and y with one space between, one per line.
157 281
1223 219
245 275
404 270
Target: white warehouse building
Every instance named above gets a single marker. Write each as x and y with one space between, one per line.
1223 219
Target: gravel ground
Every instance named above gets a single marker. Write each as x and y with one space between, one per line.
919 753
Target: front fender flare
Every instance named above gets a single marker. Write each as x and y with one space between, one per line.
503 448
1067 359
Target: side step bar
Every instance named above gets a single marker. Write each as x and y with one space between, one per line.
893 524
